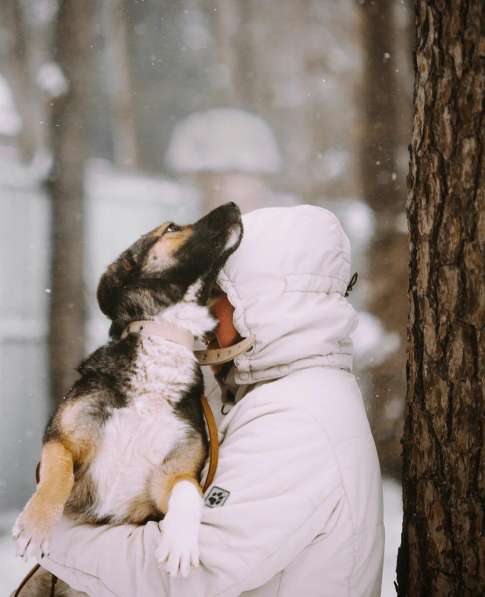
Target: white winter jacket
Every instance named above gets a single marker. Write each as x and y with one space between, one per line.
299 510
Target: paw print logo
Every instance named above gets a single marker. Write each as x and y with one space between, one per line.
216 497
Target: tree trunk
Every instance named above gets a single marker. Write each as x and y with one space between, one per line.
384 192
227 21
120 81
379 138
73 46
16 34
39 55
442 549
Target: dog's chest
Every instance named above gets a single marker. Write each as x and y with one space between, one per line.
132 446
136 439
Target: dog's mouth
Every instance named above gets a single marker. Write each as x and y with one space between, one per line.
235 235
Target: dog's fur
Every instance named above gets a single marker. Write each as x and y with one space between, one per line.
128 442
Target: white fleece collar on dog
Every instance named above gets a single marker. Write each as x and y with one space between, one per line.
179 335
162 329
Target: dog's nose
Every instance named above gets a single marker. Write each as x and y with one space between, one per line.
232 208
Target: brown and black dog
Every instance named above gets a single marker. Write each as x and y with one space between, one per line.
128 442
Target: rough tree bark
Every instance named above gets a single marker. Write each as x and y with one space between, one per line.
72 48
384 192
442 549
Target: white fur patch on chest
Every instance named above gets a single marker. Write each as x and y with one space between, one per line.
132 446
136 438
163 369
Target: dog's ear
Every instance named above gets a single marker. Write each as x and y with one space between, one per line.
107 294
117 276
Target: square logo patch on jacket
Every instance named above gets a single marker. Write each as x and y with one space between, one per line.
216 497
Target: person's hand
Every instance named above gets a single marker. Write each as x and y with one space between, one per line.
107 560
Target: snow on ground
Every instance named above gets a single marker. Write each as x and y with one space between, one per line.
13 569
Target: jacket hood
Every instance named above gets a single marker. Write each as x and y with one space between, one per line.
287 282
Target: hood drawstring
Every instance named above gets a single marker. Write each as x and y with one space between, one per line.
352 283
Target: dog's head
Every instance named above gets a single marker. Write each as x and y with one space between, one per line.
159 268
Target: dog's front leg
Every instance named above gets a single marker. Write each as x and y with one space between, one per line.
177 493
32 528
179 545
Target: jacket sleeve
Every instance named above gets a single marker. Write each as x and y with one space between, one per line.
281 484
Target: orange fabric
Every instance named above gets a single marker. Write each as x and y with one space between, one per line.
223 311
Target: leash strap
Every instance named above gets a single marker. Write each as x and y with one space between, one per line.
30 575
53 585
213 443
26 580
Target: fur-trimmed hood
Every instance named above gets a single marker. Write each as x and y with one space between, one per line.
287 282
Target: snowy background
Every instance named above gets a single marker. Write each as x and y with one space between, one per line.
187 105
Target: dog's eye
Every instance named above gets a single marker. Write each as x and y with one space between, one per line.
172 228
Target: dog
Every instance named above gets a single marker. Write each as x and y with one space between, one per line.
128 442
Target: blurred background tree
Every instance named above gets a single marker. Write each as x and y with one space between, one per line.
72 49
385 117
95 99
118 44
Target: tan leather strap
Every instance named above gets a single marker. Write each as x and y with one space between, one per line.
213 443
29 576
26 580
218 356
161 329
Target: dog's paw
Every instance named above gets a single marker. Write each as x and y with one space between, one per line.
32 528
179 542
32 540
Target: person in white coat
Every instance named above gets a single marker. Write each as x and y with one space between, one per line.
295 509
